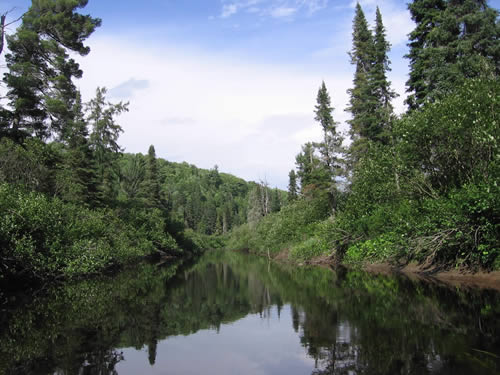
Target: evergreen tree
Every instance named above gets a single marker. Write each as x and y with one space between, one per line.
331 147
313 174
426 14
152 181
104 140
380 84
77 178
362 103
40 71
292 186
453 41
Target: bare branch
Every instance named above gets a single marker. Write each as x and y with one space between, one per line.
4 25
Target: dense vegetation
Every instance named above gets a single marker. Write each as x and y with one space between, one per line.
424 186
71 202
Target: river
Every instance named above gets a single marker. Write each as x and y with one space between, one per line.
232 313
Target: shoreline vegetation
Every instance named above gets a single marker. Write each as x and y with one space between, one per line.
423 187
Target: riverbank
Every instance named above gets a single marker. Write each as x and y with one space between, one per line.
453 277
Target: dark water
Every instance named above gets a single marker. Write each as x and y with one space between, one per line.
235 314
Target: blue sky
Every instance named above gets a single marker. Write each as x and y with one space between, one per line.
229 82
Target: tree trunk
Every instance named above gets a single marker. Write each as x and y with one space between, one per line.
2 31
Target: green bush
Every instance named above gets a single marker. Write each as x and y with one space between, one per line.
293 224
381 248
308 249
46 238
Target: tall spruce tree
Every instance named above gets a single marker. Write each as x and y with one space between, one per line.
152 181
454 40
104 140
362 103
331 146
77 179
427 16
381 86
40 73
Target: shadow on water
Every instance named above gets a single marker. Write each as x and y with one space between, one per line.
344 323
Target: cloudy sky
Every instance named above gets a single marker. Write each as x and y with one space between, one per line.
231 83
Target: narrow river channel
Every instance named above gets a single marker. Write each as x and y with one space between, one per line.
231 313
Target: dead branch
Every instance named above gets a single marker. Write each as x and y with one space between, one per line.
3 26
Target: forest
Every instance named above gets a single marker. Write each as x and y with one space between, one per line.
72 202
422 186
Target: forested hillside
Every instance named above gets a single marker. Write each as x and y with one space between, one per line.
205 201
71 202
423 186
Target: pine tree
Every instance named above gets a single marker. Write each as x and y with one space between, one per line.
306 162
362 104
381 86
78 175
426 14
104 141
40 71
453 41
312 172
152 181
331 147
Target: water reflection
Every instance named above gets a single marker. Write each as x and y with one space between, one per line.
231 313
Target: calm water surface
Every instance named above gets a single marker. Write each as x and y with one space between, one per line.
236 314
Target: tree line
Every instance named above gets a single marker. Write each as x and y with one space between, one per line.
421 186
72 202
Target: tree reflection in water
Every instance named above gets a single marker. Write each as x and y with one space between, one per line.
348 322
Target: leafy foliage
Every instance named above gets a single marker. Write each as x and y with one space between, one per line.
46 238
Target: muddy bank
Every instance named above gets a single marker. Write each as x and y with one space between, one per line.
454 277
461 278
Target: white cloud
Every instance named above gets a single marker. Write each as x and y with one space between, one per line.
283 12
228 10
250 119
272 8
